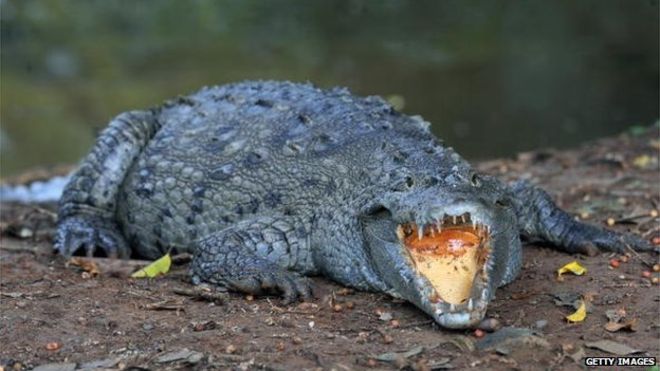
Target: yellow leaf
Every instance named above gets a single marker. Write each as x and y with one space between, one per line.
642 161
580 314
157 267
573 267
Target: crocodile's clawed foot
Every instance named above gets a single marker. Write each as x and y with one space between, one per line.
88 233
290 285
590 240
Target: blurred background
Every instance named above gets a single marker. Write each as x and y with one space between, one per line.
493 77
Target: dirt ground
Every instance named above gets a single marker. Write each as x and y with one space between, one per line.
58 315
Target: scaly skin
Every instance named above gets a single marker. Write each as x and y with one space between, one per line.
265 182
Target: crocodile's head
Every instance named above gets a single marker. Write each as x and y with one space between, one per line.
445 247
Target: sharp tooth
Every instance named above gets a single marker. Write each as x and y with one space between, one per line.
454 218
452 307
474 225
399 232
484 295
470 305
462 219
420 233
432 231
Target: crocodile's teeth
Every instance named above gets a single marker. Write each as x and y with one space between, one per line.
399 232
470 305
463 219
452 307
484 295
454 219
420 233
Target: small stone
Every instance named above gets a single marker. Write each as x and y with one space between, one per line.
230 349
654 213
540 324
646 274
387 339
53 345
296 340
395 323
479 333
610 221
280 346
56 367
350 305
490 324
614 263
337 308
624 258
147 326
372 362
656 267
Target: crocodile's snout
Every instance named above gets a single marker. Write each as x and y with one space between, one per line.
451 253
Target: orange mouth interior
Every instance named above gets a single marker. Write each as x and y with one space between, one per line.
448 258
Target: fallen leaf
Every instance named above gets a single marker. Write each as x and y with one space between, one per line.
176 355
393 356
630 325
642 161
573 267
580 314
507 339
612 347
86 265
158 267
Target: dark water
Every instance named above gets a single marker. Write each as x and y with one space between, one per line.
494 77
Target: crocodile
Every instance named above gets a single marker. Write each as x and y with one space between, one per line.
266 183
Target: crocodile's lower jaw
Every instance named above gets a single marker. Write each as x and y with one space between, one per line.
451 254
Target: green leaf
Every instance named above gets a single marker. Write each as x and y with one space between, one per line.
156 268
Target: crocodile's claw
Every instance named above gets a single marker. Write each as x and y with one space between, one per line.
90 233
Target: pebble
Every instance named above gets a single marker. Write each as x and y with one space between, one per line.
490 325
540 324
56 367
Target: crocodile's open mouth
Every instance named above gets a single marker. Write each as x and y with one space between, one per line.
451 253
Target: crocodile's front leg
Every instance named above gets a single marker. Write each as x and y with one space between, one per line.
539 218
86 216
253 257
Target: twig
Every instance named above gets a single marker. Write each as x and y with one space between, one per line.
198 294
165 305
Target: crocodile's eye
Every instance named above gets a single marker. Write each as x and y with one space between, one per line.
410 182
475 179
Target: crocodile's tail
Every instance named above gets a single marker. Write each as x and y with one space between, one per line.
49 190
